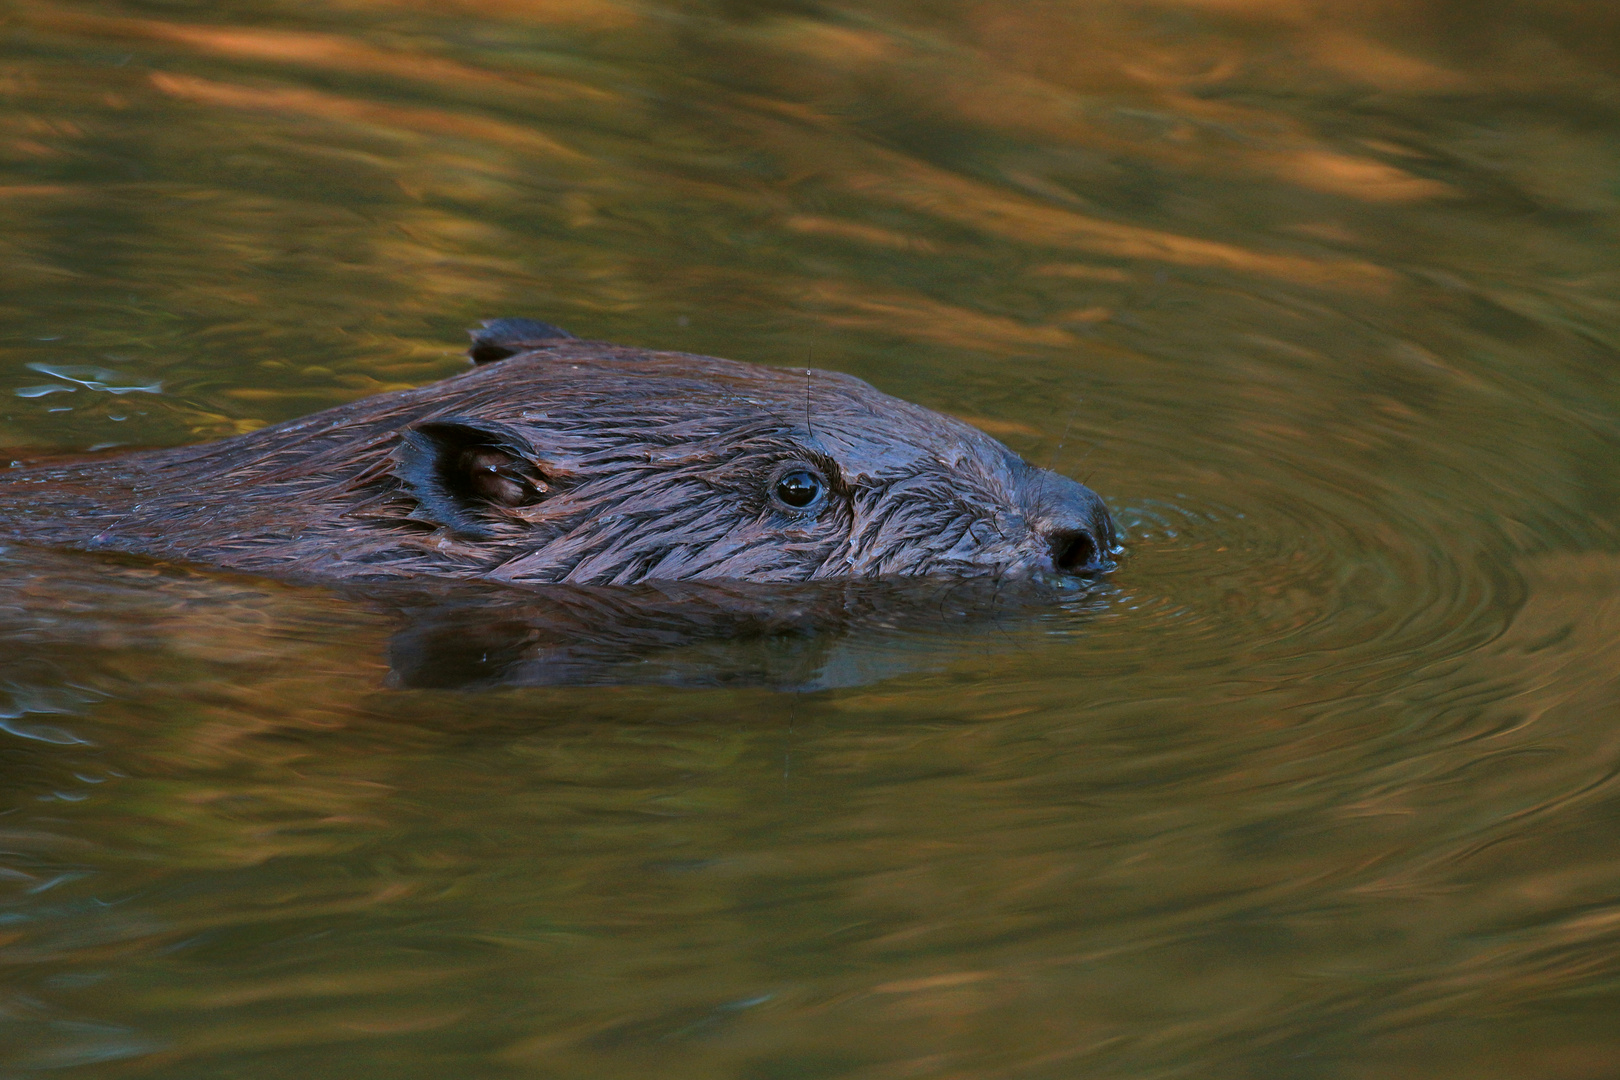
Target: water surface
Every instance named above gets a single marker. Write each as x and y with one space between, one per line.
1323 299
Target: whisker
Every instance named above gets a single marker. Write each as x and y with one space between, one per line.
810 360
1067 424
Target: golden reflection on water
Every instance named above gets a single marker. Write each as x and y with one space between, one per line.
1321 297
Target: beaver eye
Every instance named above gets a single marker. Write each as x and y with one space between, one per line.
799 488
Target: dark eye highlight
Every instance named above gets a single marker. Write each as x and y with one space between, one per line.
799 488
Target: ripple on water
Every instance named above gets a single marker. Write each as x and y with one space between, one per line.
1307 567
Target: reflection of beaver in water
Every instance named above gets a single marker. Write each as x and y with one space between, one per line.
571 461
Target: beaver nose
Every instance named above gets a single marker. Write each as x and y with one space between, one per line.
1074 523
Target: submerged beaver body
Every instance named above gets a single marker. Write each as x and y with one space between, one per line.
560 460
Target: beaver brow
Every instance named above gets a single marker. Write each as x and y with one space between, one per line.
829 468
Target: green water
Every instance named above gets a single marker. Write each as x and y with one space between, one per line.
1323 298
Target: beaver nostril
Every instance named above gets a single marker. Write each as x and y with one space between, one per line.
1073 551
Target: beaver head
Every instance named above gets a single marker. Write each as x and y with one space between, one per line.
558 460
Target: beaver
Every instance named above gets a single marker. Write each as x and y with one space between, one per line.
559 460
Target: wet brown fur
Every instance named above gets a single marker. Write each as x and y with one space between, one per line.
639 466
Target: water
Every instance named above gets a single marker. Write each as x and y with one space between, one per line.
1323 300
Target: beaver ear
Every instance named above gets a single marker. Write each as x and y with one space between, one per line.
501 338
458 471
